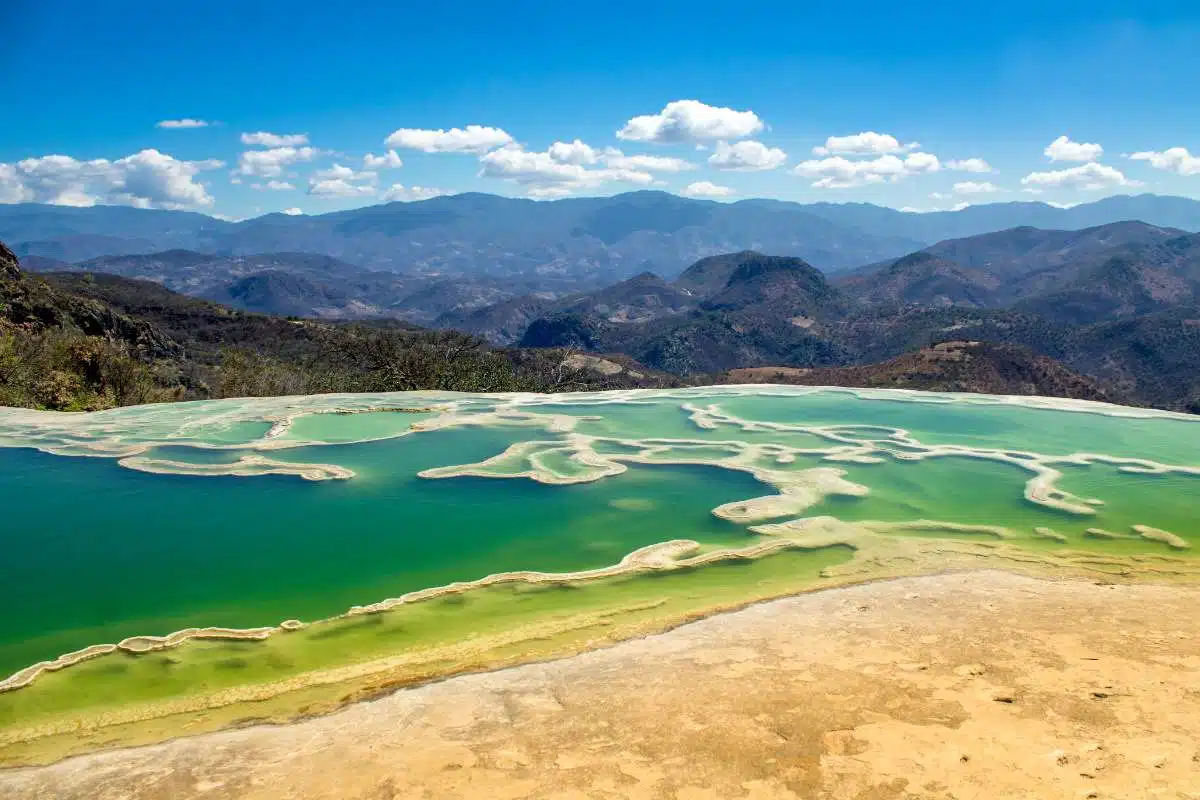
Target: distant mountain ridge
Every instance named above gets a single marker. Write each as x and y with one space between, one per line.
87 340
601 239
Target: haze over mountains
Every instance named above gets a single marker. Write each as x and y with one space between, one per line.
602 239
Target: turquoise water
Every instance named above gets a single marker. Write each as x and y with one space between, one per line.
96 552
1039 430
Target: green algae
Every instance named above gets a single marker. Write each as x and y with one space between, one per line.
203 667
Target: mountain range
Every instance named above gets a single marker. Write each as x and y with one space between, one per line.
635 275
1120 303
80 341
592 241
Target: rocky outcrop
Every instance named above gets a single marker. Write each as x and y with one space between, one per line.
31 303
9 267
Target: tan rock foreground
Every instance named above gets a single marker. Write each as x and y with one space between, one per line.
968 685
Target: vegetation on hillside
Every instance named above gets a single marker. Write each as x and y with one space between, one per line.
77 341
958 366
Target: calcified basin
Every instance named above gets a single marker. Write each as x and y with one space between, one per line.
212 562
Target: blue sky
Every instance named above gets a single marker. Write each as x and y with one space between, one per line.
719 100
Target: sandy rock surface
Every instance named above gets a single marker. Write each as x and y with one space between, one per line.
970 685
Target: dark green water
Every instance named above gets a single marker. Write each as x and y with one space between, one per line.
98 552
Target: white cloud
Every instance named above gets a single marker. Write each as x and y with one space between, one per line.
271 163
275 186
547 192
341 181
615 159
688 121
524 166
338 187
837 172
867 143
182 123
575 152
542 169
146 179
12 186
747 156
706 189
408 193
1174 159
969 165
1086 176
292 212
1063 149
275 139
939 196
472 139
389 160
960 206
974 187
580 154
920 163
347 173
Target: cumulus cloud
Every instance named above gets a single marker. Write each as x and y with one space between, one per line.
472 139
338 187
867 143
265 139
292 212
340 181
524 166
270 163
1086 176
579 154
1063 149
747 156
275 186
690 121
408 193
837 172
706 189
182 123
1174 159
546 169
974 187
389 160
146 179
575 152
615 159
969 165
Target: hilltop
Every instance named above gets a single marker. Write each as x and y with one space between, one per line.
979 367
1118 304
